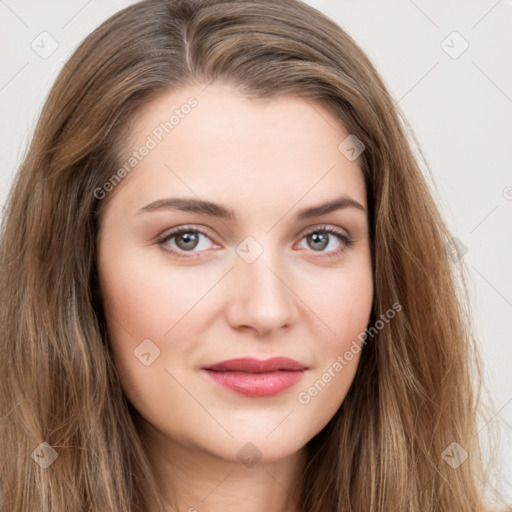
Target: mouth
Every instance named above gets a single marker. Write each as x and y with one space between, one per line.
256 377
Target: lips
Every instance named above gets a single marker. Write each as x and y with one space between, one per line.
256 377
250 365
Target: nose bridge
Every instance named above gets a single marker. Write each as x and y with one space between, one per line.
261 296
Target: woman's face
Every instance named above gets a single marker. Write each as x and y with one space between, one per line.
254 274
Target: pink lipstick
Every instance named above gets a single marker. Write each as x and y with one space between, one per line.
256 377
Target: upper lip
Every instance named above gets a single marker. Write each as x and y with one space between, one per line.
251 365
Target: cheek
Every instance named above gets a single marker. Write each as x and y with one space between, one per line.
338 358
138 302
344 303
146 298
350 313
346 310
142 303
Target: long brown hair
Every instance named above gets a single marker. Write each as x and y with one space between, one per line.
413 393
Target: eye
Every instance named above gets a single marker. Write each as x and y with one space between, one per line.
187 239
320 237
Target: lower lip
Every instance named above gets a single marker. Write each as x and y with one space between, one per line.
257 384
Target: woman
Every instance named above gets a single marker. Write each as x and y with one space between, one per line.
177 338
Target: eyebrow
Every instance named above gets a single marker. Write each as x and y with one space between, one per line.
217 210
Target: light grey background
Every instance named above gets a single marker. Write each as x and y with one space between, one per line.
459 104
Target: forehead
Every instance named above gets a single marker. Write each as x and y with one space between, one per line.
214 142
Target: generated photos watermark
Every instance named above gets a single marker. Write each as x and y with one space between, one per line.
304 397
152 140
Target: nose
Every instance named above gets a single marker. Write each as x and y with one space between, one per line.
261 298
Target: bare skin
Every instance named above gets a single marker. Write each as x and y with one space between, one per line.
213 448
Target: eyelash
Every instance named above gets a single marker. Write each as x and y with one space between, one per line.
346 240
